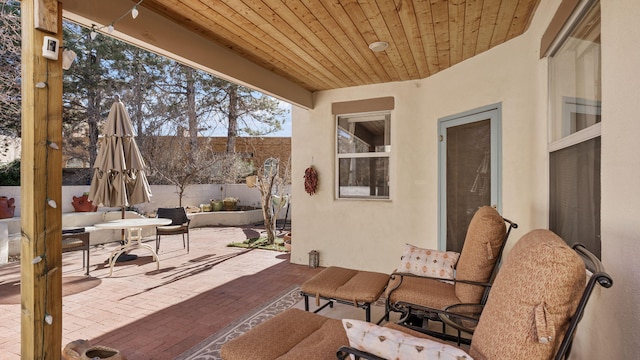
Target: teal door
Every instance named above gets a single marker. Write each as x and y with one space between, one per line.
469 168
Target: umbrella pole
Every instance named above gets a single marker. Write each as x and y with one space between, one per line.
125 256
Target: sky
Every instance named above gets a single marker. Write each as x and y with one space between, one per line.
286 126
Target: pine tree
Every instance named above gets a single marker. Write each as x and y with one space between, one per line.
249 112
10 48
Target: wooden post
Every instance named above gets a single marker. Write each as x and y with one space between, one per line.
41 182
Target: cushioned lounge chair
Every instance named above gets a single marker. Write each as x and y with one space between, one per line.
537 300
416 289
486 237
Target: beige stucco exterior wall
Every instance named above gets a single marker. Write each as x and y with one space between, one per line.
615 313
370 234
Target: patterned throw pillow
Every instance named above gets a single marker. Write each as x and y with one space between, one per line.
427 262
393 344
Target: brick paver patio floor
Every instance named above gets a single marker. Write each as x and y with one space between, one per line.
159 314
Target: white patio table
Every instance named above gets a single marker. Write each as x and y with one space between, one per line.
133 237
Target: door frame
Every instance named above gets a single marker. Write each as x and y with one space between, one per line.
492 112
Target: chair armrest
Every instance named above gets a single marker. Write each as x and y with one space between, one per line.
470 282
345 351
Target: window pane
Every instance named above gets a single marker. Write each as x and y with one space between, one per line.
468 177
575 194
575 100
364 177
363 134
575 78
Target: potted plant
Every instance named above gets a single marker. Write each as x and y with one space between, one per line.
7 207
216 205
229 203
287 241
83 204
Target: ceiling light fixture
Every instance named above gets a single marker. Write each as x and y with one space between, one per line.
378 46
134 12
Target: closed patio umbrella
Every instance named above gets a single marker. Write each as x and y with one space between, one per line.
119 179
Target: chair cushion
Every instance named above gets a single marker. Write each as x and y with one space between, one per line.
293 334
347 284
172 229
425 292
533 297
428 262
393 344
482 244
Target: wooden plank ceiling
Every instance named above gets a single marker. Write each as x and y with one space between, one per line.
323 44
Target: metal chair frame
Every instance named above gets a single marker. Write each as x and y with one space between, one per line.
599 276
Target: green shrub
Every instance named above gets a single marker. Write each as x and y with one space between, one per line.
10 173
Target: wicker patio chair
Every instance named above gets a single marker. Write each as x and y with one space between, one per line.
179 225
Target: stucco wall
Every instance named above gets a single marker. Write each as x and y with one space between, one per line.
615 313
369 235
377 230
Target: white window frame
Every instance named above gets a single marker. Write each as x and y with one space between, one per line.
562 120
569 138
386 153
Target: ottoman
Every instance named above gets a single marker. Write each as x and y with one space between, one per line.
295 334
346 286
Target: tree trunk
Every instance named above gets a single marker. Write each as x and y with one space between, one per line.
268 218
232 131
138 94
93 117
192 117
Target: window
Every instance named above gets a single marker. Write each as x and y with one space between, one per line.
575 117
363 151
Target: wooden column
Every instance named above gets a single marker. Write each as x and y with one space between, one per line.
41 181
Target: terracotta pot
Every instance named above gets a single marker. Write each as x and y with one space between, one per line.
7 207
82 204
83 350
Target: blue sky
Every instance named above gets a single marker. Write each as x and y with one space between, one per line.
286 126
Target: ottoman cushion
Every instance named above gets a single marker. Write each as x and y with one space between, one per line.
346 284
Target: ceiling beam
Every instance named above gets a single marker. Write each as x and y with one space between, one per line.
163 36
